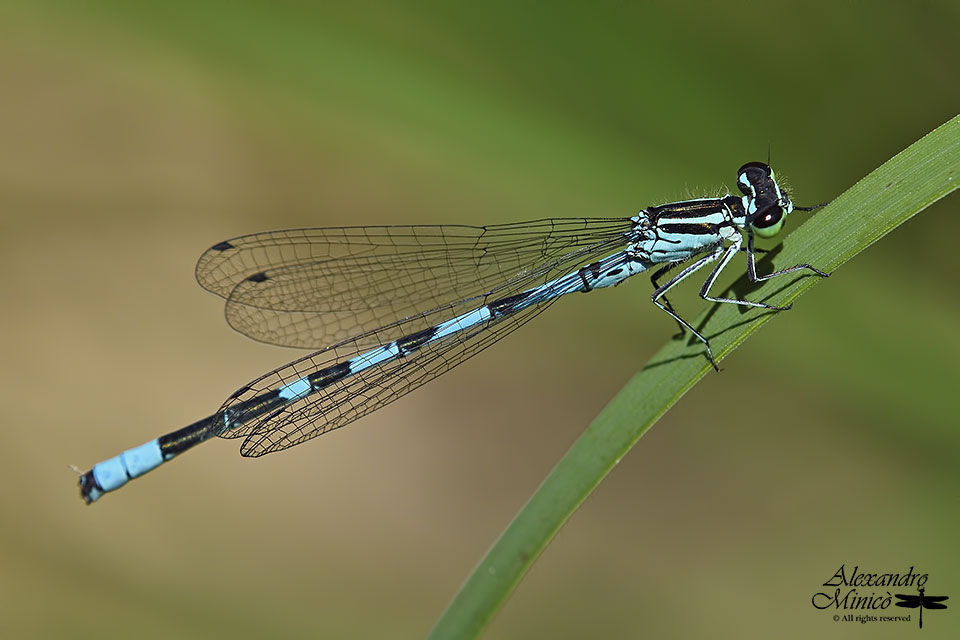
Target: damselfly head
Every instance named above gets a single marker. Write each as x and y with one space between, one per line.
765 202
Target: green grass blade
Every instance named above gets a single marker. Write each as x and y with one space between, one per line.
915 178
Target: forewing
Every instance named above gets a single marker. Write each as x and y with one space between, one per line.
311 288
356 395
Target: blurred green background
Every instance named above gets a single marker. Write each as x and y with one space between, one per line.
132 138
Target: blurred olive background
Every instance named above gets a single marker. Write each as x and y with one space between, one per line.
132 137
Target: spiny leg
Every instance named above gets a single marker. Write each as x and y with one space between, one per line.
752 265
677 279
659 273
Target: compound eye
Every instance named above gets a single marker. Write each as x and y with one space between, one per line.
767 222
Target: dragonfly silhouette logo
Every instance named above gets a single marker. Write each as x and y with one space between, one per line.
860 596
921 602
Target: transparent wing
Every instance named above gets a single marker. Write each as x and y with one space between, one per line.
357 395
310 288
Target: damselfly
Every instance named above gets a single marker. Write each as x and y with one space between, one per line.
400 305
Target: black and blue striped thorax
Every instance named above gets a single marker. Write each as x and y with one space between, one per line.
680 230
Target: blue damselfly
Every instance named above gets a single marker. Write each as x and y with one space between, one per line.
392 307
